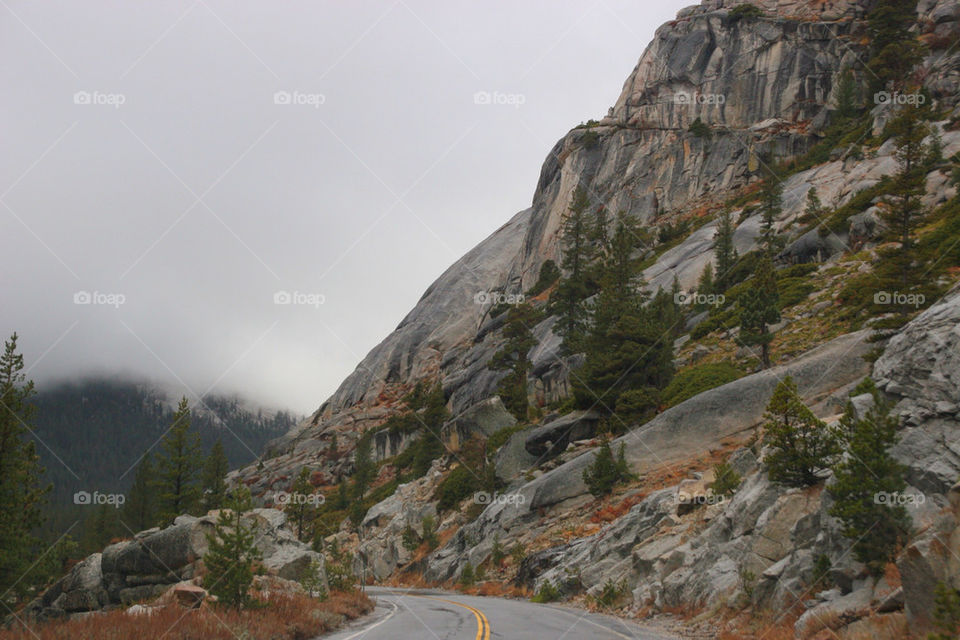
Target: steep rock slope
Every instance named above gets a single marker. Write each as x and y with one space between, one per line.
761 84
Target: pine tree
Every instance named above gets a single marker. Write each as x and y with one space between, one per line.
814 209
848 96
894 48
771 207
22 496
512 357
178 468
802 446
724 251
759 307
139 511
215 471
604 473
864 480
627 348
574 287
299 509
909 131
364 469
231 553
99 527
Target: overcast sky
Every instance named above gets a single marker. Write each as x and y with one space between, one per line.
182 162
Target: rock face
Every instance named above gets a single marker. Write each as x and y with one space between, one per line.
156 559
762 84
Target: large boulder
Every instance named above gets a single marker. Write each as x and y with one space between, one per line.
484 418
552 438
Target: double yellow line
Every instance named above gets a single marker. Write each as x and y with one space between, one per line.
483 625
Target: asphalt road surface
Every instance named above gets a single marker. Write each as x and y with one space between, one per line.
418 614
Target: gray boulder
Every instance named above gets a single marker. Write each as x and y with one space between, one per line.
552 438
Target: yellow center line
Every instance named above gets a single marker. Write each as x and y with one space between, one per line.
483 625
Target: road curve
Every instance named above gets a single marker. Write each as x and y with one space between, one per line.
419 614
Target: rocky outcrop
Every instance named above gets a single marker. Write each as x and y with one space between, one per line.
154 560
703 422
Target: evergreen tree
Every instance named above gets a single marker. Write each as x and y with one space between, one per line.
21 494
771 207
99 527
232 553
759 307
814 209
848 96
578 253
364 469
604 472
215 471
865 479
139 511
895 50
906 211
178 468
802 446
725 252
300 512
946 613
512 357
628 347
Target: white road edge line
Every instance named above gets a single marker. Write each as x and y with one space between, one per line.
367 630
584 618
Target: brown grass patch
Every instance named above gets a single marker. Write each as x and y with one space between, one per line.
283 617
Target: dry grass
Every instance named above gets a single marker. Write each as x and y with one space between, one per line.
283 617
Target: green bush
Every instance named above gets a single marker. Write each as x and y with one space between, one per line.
726 479
549 274
500 437
700 129
467 578
458 485
745 11
699 378
546 593
612 593
604 472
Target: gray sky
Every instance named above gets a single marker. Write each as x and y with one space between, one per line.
185 161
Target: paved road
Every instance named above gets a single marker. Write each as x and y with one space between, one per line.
434 615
